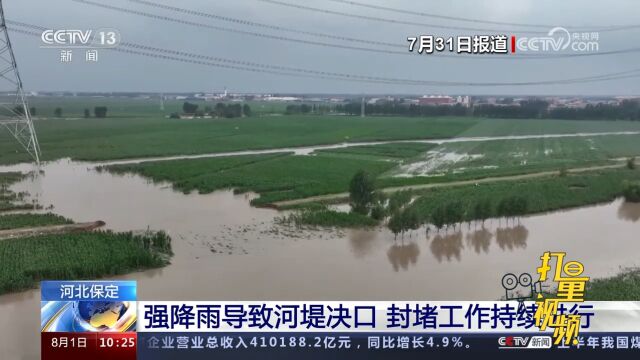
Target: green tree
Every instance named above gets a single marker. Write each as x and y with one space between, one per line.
234 111
513 206
32 111
221 109
395 224
87 113
189 108
378 212
361 192
631 163
632 192
454 213
246 110
439 217
100 112
519 205
482 210
410 219
399 199
57 112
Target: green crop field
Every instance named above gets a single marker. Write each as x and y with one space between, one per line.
117 138
504 127
15 221
284 176
542 194
90 255
276 177
138 128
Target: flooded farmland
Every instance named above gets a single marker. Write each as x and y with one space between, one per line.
228 250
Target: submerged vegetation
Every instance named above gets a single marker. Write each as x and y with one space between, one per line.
9 200
90 255
622 287
329 218
404 150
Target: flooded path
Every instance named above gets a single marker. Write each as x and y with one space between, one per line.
228 250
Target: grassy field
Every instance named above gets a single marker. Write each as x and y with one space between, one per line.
503 127
276 177
622 287
15 221
138 128
117 138
91 255
542 194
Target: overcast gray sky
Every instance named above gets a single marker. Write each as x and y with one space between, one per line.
41 69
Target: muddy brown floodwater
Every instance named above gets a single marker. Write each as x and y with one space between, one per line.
227 250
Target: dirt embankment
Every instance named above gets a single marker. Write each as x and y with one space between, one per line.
47 230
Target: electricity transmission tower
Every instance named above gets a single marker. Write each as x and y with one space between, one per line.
15 114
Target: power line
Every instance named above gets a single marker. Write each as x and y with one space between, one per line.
243 32
389 20
436 16
334 45
471 20
181 56
262 25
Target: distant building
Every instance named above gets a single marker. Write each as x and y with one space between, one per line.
283 98
464 101
436 100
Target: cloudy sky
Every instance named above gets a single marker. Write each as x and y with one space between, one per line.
41 69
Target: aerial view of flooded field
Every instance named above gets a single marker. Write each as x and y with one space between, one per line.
225 248
156 153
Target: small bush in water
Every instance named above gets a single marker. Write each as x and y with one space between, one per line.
632 192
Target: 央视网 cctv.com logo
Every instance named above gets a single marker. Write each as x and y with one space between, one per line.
66 38
559 39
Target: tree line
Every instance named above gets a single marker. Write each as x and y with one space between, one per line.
530 109
293 109
98 111
220 110
403 217
400 109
